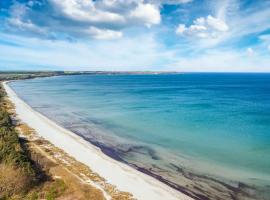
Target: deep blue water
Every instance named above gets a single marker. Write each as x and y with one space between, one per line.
212 123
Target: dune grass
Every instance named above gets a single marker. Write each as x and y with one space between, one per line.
20 176
17 174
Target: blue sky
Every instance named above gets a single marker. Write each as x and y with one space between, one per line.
164 35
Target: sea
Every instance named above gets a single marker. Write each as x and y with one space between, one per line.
204 134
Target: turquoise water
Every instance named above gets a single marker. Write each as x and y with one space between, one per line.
214 124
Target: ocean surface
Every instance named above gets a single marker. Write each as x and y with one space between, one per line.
206 134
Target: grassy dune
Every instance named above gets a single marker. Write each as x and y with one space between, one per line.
17 173
25 172
31 168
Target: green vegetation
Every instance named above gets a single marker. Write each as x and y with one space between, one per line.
55 189
20 177
17 75
28 75
17 174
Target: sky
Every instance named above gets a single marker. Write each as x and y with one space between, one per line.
135 35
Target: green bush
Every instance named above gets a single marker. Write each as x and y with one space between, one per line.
16 171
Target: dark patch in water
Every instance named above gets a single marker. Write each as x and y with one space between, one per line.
143 150
111 152
169 183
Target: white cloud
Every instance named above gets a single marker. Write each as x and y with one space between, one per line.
209 27
120 12
215 50
101 55
225 8
181 29
85 11
82 18
250 51
175 2
265 40
122 54
103 33
252 21
222 61
146 13
166 2
217 24
15 22
27 26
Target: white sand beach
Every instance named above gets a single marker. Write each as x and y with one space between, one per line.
125 178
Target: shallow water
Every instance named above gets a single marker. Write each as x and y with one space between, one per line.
174 127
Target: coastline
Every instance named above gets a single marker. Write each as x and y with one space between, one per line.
123 177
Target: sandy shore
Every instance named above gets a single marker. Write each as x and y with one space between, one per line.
124 177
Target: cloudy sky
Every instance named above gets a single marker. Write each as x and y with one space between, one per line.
166 35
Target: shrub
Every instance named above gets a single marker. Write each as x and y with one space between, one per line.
16 171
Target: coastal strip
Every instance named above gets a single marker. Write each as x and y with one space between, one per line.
124 177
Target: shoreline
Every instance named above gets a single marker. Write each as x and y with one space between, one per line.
124 177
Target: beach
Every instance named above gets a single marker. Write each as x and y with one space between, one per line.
118 174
